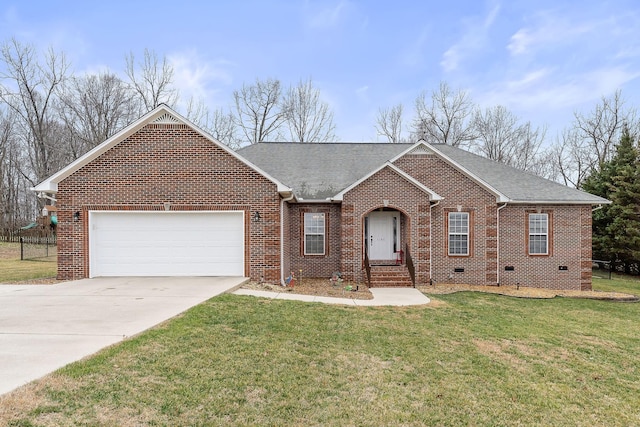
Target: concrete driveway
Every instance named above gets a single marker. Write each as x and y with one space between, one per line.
45 327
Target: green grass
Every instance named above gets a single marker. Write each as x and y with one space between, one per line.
618 283
469 359
12 269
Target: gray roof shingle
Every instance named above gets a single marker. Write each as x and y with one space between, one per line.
317 171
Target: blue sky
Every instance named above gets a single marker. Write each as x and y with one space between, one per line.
541 59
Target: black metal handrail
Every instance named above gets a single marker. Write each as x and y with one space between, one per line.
410 266
367 265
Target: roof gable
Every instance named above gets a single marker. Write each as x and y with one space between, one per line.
422 148
516 185
160 115
433 196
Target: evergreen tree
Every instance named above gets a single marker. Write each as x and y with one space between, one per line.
616 227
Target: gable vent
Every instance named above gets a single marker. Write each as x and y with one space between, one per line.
166 119
421 151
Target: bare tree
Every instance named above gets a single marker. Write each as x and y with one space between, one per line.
497 133
29 89
590 141
445 118
7 172
93 108
389 123
500 136
308 117
220 124
16 200
527 156
257 110
151 80
223 128
572 158
602 128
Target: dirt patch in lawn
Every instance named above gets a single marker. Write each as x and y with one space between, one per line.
526 292
9 251
316 286
41 281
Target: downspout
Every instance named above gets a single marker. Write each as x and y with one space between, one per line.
597 208
498 242
431 240
282 201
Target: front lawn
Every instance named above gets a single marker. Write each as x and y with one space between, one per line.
467 359
618 283
13 270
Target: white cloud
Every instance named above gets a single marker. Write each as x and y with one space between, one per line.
196 77
413 53
362 92
474 39
549 31
547 91
529 79
330 16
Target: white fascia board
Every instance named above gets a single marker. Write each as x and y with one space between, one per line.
560 202
433 196
50 185
327 200
500 198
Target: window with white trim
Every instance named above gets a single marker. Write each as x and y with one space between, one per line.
314 232
538 234
458 233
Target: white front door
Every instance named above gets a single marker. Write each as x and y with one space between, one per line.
383 235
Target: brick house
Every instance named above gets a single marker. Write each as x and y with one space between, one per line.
162 198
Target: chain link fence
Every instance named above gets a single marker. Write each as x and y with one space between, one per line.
601 269
38 248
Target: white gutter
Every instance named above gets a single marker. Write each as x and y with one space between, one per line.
282 236
597 208
554 202
498 242
431 240
43 195
327 200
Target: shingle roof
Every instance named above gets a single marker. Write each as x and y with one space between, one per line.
317 171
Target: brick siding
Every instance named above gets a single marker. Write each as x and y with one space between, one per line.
169 163
315 265
570 240
385 189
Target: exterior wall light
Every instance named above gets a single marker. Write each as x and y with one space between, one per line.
76 216
256 216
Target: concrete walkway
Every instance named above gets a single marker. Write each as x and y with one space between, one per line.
381 297
45 327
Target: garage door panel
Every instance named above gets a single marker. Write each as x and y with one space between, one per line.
167 243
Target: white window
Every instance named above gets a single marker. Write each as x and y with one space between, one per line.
314 227
459 233
538 234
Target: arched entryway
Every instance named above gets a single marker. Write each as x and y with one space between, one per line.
383 235
386 234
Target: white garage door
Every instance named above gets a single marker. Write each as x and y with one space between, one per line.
166 243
